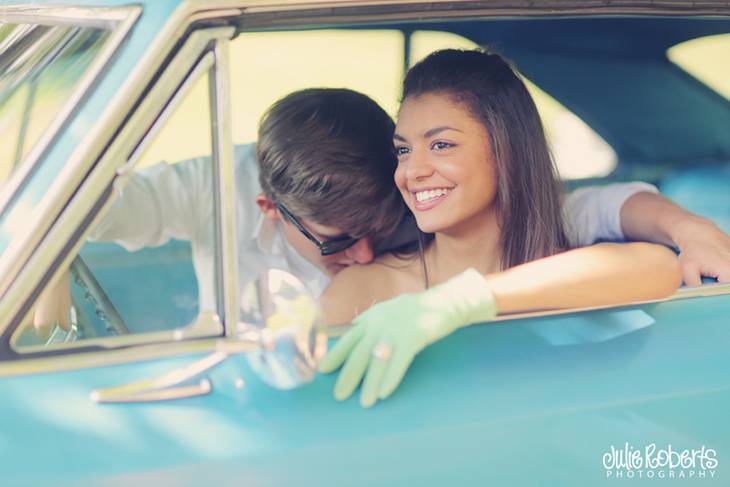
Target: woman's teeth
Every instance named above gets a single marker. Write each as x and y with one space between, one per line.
422 196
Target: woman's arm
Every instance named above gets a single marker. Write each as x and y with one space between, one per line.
599 275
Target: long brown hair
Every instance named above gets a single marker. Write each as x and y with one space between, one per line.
528 199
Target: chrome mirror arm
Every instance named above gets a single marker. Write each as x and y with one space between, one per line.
174 384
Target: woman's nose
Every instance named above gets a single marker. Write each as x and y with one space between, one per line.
418 165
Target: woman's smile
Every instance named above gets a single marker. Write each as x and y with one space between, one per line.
427 198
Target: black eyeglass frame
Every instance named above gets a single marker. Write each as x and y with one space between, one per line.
329 247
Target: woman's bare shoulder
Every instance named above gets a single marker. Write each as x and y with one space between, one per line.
357 287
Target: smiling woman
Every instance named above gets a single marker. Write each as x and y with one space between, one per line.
474 169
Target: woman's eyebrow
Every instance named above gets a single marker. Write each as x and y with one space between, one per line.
428 133
436 130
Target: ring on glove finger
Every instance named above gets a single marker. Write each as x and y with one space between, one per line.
382 351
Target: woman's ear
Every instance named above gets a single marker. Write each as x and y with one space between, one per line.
267 207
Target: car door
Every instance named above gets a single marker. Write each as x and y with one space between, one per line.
537 398
64 360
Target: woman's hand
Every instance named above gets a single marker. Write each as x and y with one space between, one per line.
385 339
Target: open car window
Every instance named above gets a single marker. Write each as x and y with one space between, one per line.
368 61
371 61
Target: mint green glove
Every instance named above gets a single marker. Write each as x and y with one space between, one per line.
385 339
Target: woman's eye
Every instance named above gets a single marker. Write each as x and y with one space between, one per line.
440 145
401 151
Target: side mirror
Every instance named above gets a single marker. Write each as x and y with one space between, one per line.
279 313
278 332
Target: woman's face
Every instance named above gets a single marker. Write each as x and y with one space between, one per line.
446 172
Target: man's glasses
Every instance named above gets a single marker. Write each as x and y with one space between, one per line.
325 248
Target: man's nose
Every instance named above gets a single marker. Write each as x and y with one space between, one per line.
361 252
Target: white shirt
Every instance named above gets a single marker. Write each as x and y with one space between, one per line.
168 201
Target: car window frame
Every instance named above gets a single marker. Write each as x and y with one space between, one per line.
303 17
204 52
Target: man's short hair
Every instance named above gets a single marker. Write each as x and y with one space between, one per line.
327 156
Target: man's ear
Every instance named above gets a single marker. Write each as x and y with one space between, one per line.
267 207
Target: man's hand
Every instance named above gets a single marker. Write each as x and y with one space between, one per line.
704 248
704 251
53 307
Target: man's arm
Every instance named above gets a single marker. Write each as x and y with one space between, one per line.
594 213
635 211
704 248
158 203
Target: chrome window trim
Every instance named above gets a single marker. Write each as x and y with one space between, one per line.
99 358
706 290
266 18
81 16
225 187
20 296
119 20
206 325
295 13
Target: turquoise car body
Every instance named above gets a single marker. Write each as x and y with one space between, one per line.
532 401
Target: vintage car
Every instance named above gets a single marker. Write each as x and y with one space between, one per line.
147 388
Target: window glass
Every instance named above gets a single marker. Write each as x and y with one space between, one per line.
40 68
579 151
136 273
702 59
186 134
